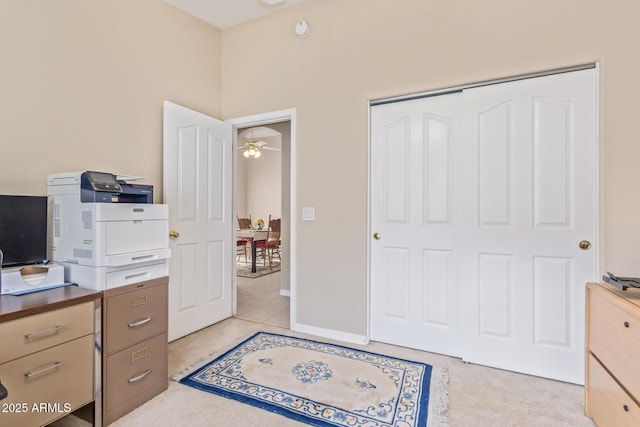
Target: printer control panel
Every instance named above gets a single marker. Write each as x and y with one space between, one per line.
101 181
103 187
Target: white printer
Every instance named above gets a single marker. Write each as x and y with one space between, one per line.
106 231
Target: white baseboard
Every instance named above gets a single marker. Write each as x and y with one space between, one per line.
285 293
331 334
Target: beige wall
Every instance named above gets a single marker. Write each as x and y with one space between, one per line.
262 192
363 49
82 85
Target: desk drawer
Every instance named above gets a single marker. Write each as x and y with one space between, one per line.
50 382
135 316
34 333
614 337
134 370
607 403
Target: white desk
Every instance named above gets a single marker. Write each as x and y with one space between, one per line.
254 236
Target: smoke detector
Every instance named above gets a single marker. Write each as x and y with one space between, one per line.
302 28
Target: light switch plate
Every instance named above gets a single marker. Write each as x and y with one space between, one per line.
309 214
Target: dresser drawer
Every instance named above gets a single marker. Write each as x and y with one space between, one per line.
607 403
34 333
134 370
135 316
48 383
614 337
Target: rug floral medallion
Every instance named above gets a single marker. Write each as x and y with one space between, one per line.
326 384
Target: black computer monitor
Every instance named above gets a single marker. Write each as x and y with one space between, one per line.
23 229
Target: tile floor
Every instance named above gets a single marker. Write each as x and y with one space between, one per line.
259 300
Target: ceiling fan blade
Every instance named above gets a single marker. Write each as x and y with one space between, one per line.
270 149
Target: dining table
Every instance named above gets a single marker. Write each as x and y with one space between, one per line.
254 236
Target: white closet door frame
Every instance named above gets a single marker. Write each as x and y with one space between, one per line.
576 307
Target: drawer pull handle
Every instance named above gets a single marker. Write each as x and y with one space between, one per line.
54 365
44 333
139 377
626 408
139 322
626 324
143 257
133 276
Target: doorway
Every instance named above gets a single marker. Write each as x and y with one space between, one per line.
281 284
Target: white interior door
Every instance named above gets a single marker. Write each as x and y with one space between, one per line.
413 159
479 252
532 171
198 189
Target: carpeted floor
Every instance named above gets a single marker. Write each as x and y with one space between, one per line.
478 396
325 384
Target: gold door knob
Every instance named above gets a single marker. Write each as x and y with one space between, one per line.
585 245
174 234
376 236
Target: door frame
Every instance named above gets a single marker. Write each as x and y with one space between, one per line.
259 120
443 91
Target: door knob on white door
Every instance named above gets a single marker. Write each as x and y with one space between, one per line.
174 234
585 245
376 236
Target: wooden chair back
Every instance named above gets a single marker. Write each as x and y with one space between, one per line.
274 229
244 223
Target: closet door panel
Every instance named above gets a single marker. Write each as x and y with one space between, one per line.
535 183
413 260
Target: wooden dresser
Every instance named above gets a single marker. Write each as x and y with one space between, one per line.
612 386
47 354
135 357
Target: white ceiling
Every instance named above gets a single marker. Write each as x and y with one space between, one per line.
227 13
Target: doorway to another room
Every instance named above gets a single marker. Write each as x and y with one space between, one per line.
262 185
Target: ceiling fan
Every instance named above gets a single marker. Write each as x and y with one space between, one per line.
252 149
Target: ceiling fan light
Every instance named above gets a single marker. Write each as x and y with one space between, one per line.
251 151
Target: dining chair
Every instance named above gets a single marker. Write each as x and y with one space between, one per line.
244 223
270 247
241 244
241 250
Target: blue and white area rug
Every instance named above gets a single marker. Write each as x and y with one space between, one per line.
325 384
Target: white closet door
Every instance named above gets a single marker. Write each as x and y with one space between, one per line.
413 264
531 176
481 200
